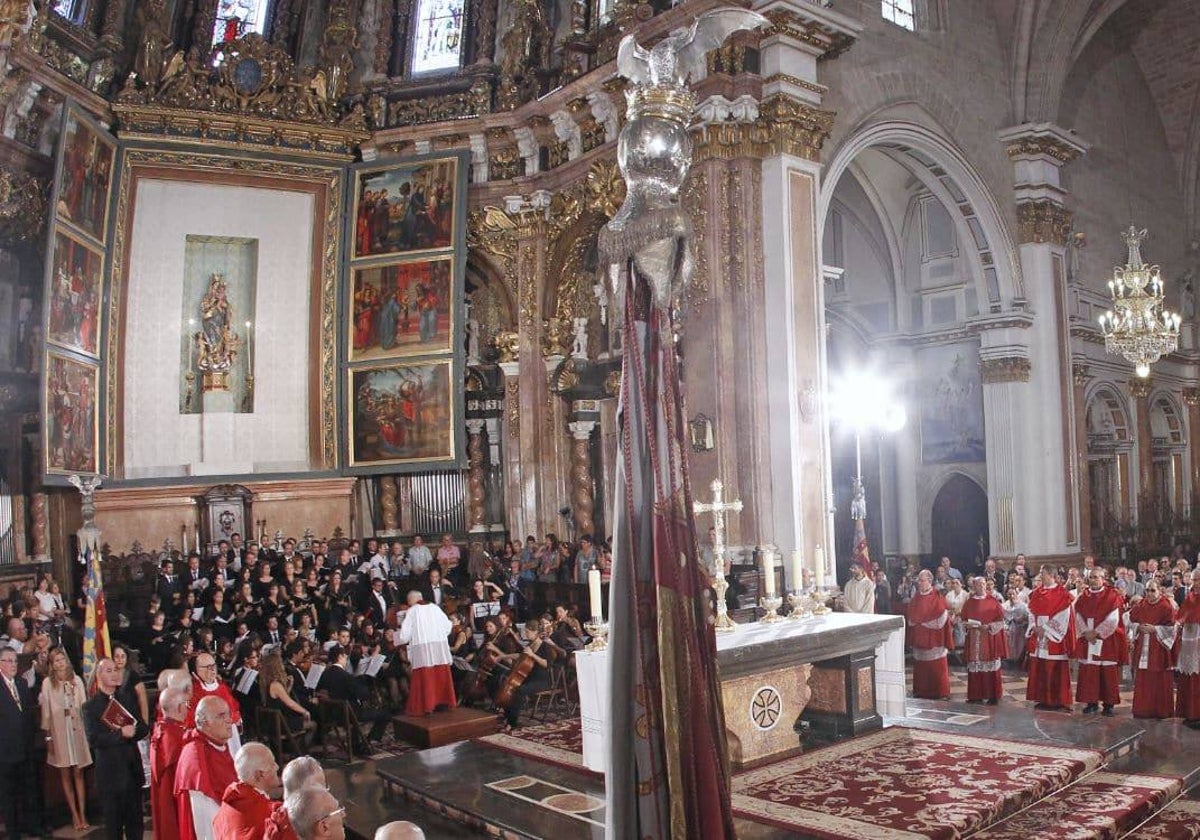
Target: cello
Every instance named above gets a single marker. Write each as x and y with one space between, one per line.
515 679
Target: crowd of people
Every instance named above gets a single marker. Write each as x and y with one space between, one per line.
384 626
1088 624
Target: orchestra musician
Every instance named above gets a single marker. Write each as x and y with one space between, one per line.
538 678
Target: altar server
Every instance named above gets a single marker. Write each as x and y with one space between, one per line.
930 635
1051 637
986 645
426 631
1152 629
1100 647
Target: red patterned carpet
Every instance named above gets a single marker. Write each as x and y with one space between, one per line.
902 784
559 743
1101 807
1178 821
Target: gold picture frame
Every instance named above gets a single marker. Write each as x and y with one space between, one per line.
71 413
402 414
75 293
422 213
85 172
402 308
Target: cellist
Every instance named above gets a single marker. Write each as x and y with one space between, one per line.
539 675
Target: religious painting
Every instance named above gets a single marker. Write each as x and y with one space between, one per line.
216 356
952 405
76 277
85 175
402 309
401 414
70 415
406 208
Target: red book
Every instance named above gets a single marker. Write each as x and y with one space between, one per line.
117 716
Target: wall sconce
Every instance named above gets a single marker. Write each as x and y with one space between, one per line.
700 431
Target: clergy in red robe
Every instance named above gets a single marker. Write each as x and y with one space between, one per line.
426 631
1100 645
930 635
165 743
246 805
279 827
1051 636
205 769
206 683
986 646
1152 629
1187 657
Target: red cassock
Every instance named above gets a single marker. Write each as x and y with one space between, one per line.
279 827
1100 661
244 813
1049 668
929 634
1153 642
986 647
200 691
1187 659
165 743
204 767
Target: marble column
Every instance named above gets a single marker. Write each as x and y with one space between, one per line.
1045 510
1191 398
1147 504
475 477
514 481
387 503
797 446
582 491
1080 377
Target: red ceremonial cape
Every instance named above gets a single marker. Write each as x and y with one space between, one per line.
202 767
222 691
1098 606
984 610
279 827
1049 601
243 814
165 743
1189 610
923 608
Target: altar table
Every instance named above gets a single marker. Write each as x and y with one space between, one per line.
835 673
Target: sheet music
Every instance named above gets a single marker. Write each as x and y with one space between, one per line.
369 666
313 677
246 681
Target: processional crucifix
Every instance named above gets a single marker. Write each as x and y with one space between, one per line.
718 507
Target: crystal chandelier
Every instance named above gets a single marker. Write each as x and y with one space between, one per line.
1138 327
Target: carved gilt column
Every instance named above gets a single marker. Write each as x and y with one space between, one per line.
111 27
475 477
1079 379
582 489
387 502
1147 505
39 509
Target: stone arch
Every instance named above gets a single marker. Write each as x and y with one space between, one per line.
493 302
1114 420
928 152
931 484
569 292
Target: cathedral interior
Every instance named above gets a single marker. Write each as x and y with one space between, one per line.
329 269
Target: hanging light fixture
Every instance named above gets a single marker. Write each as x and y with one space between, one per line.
1138 326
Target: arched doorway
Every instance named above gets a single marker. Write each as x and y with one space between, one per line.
960 523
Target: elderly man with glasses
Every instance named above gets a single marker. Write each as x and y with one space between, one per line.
206 682
315 814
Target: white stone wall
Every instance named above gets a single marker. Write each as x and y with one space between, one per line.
159 441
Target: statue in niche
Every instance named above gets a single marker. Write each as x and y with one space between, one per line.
216 344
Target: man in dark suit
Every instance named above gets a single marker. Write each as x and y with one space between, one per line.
168 585
18 723
378 602
115 751
436 591
340 684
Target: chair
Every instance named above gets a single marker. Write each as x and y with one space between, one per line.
273 729
338 724
547 696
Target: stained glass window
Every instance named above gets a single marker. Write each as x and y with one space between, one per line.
900 12
236 18
438 41
72 10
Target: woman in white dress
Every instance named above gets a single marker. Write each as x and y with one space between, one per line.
61 702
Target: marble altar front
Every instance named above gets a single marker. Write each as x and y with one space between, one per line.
834 674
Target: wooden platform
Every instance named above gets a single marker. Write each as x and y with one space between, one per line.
448 727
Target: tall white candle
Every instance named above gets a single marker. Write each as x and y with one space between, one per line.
184 529
797 570
769 573
250 348
819 571
594 595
